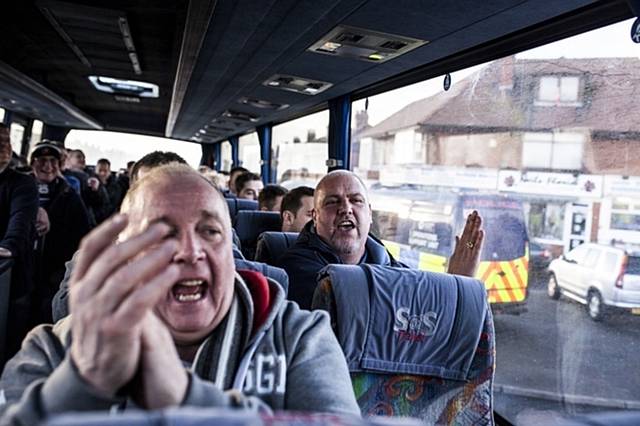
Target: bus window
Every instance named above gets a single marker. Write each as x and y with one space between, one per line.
120 148
300 150
17 133
249 152
541 144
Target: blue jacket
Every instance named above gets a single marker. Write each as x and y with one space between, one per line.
310 254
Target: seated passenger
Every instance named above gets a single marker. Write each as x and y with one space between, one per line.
339 233
161 319
233 175
270 198
297 209
249 186
110 183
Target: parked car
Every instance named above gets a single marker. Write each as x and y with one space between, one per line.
539 258
599 276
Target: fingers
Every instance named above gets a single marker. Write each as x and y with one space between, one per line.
136 305
131 275
115 255
94 243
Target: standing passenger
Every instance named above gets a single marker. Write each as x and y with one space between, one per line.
68 224
18 207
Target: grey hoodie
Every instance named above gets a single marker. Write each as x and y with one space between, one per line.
291 361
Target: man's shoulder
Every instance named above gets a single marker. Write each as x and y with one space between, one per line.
298 321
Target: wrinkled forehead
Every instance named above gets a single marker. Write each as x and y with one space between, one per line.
184 198
339 185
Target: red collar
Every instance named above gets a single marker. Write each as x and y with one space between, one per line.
260 293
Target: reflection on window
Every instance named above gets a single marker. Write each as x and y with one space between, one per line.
249 152
300 150
544 146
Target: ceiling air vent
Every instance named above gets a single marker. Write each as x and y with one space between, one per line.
305 86
223 124
262 104
241 116
365 45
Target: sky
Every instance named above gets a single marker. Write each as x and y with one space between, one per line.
611 41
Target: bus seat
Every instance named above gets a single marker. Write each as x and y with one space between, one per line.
268 271
272 244
417 343
237 204
5 287
250 224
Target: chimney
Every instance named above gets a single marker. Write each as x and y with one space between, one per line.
311 135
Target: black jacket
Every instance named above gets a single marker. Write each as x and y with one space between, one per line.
310 254
18 209
69 224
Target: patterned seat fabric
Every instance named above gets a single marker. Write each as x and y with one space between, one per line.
433 399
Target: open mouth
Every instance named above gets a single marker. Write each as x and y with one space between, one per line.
346 225
186 291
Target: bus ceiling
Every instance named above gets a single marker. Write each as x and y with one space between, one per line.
223 68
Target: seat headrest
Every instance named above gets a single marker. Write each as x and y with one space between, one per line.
405 321
268 271
271 245
250 224
237 204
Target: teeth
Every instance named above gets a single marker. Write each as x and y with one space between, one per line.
189 297
191 283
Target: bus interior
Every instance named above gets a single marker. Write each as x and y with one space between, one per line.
524 104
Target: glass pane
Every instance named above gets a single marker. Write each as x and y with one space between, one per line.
227 158
548 169
592 258
16 134
548 89
610 261
569 89
300 150
120 148
36 132
249 152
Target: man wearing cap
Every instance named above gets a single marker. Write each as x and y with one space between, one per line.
68 220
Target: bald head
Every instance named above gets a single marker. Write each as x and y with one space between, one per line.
342 214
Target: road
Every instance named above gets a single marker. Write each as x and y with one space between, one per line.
556 353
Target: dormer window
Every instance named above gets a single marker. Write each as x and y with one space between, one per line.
558 91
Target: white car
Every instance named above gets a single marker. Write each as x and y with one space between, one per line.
598 276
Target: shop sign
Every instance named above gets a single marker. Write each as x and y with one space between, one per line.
559 184
457 177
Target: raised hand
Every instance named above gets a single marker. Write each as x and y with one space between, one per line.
466 254
112 288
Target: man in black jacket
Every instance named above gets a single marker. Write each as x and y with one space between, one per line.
68 220
18 207
339 233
